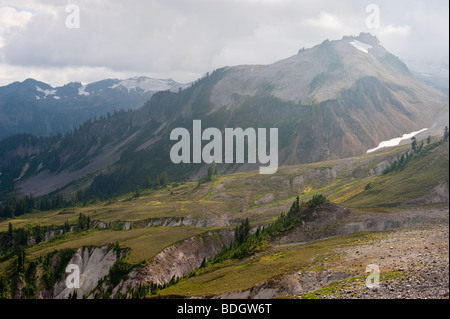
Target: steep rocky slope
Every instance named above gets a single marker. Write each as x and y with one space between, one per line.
94 263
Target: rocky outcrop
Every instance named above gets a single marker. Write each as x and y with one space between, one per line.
382 166
178 260
439 194
329 220
292 284
123 225
184 221
94 263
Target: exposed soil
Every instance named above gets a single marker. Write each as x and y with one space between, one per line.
178 260
410 247
334 220
417 261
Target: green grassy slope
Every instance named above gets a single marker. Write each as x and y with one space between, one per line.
416 180
229 199
238 275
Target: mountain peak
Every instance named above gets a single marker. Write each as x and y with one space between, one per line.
32 82
335 100
368 38
38 108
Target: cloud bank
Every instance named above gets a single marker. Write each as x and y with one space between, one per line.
183 39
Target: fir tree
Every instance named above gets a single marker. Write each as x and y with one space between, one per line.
414 144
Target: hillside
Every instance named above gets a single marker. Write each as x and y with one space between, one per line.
330 102
159 235
37 108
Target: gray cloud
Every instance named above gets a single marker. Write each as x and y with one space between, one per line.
183 39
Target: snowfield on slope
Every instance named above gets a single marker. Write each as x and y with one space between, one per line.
145 84
364 47
395 141
46 92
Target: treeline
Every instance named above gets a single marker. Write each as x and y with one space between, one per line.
27 204
106 186
25 273
246 243
399 163
101 189
417 150
15 239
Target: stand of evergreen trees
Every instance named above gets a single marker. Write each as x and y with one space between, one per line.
417 150
246 243
27 204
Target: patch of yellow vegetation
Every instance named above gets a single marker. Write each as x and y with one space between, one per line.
348 194
308 189
154 203
273 257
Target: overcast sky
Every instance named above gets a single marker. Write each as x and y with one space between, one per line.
183 39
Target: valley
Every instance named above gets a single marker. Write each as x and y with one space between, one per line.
115 200
167 234
329 102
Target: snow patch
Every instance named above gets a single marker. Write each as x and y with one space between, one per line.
114 86
395 141
81 91
146 84
46 92
361 46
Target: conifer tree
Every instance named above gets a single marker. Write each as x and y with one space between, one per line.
414 144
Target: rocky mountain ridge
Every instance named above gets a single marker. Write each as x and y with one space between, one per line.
335 100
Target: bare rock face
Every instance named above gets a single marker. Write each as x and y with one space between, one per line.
178 260
94 264
439 194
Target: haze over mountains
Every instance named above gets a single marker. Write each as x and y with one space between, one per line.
435 74
38 108
335 100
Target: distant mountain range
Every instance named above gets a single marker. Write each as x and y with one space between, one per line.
435 74
336 100
37 108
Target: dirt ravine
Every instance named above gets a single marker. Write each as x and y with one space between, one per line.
178 259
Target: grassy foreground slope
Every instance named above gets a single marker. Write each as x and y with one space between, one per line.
333 268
